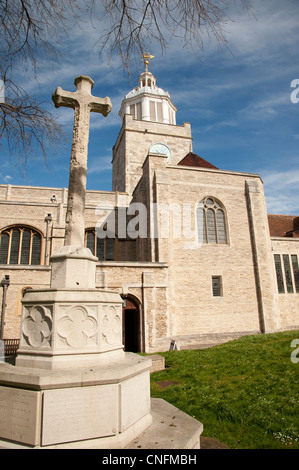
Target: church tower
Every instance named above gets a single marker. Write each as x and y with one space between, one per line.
148 126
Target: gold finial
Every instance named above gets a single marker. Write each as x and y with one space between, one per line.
145 57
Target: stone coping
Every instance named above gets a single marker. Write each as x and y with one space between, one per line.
42 379
171 429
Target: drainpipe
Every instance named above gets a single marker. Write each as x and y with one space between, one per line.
4 283
48 220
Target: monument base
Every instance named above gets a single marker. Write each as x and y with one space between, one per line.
73 386
167 428
109 405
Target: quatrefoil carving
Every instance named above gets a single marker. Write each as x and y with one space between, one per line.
77 327
111 326
37 327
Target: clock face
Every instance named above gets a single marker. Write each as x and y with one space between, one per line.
161 149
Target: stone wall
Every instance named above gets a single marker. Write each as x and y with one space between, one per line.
247 304
170 276
288 302
147 283
133 143
27 205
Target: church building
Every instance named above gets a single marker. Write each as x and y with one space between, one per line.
188 246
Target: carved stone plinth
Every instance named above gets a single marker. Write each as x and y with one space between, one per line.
73 267
72 384
70 328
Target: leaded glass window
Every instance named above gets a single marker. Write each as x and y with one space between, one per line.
103 248
295 271
279 275
211 224
288 274
216 286
20 245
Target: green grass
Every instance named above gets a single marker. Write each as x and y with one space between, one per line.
245 392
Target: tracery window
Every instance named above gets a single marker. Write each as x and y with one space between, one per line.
211 223
287 273
103 248
20 245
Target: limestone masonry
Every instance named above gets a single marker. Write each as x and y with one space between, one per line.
189 247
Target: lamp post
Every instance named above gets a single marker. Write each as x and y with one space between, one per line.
4 283
48 220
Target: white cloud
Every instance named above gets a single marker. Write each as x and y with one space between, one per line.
273 25
281 191
5 178
225 123
99 165
262 108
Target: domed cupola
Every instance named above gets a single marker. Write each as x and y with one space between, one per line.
148 102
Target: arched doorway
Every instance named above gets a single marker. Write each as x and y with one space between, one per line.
131 325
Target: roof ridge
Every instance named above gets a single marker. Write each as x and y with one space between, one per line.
192 159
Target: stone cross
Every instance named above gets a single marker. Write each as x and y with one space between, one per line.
83 103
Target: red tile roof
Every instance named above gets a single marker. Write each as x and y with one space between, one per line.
191 159
283 225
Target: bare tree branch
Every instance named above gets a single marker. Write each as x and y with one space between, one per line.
29 30
26 128
134 24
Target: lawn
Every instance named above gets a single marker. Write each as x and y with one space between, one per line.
245 392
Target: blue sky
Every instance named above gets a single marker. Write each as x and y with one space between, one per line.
238 102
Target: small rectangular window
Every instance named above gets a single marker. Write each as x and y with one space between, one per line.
217 286
279 277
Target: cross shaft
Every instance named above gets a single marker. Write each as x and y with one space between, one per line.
83 104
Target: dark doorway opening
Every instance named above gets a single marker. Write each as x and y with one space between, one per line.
131 325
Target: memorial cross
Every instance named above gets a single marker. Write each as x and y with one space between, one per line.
83 103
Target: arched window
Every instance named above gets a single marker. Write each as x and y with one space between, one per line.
20 245
103 248
211 223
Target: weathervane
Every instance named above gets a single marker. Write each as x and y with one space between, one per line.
146 56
